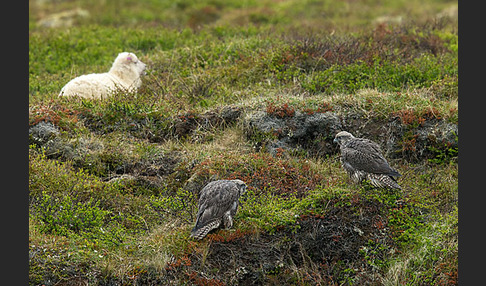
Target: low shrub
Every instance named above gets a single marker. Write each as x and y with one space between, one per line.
64 215
263 173
383 75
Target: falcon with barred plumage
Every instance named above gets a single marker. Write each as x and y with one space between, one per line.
363 159
218 203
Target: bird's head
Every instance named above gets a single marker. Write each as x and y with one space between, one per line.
241 185
342 137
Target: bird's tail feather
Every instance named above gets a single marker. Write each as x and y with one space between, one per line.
383 181
201 232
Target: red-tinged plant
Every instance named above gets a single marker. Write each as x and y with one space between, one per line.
57 114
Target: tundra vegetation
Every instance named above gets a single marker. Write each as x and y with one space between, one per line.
253 90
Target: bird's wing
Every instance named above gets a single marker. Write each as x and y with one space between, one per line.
216 199
365 155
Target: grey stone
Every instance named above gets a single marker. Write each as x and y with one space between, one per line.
296 132
42 133
314 133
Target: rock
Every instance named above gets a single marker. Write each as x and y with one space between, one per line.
264 123
278 148
324 125
231 113
314 134
42 133
435 135
388 133
47 136
74 149
186 124
299 130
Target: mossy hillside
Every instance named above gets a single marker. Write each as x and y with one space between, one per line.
265 209
266 212
113 195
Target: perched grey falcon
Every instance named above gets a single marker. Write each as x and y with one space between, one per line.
218 203
363 159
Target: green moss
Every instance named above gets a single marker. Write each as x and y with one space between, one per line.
64 215
267 211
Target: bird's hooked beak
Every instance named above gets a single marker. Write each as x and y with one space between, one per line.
335 140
